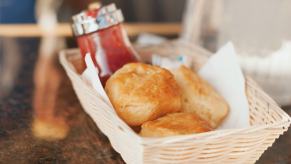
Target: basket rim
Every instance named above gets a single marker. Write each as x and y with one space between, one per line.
286 120
218 133
70 68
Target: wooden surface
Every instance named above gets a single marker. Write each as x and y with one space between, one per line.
33 30
42 92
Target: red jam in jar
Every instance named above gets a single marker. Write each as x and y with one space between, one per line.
112 50
83 44
108 44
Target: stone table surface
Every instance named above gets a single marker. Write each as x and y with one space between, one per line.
41 120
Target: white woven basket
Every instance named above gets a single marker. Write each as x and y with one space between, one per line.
222 146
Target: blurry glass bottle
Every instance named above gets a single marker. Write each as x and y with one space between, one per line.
107 42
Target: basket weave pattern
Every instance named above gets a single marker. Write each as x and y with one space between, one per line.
228 146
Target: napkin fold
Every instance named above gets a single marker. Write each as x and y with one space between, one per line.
223 72
90 75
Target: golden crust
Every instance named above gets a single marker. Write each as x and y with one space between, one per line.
200 98
141 92
175 124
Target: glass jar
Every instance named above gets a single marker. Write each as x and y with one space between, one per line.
84 23
107 42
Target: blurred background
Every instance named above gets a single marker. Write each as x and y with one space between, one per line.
260 31
35 91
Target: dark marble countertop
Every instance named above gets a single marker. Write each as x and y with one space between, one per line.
41 120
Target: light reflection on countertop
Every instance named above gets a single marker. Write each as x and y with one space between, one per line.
47 124
42 121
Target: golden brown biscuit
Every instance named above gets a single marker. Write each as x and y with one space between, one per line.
200 98
175 124
141 92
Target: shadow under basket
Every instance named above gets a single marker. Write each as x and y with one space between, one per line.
268 121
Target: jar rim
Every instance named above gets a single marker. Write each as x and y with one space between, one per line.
101 22
82 16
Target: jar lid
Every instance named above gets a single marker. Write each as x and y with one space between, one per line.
85 27
110 19
107 9
83 16
101 22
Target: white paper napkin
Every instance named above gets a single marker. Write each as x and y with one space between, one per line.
223 72
91 75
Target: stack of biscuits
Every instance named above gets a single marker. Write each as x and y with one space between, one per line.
165 103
